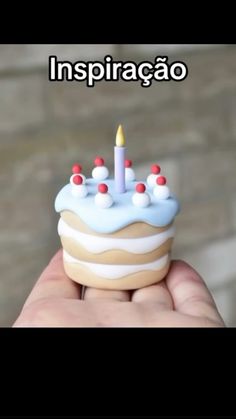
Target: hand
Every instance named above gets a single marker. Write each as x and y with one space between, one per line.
180 300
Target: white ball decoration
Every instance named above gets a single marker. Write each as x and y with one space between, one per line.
129 174
141 198
161 190
103 199
151 180
100 173
155 173
79 191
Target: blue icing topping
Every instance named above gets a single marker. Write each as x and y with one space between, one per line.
122 213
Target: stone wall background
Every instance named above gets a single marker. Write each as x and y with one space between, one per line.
189 127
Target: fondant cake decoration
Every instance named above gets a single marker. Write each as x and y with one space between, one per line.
141 198
100 172
121 213
78 189
151 179
76 170
103 199
77 180
161 190
117 234
129 172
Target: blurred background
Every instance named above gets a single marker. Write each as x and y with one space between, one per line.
189 128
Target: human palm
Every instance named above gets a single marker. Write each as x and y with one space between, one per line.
180 300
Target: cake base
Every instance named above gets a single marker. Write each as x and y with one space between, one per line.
84 276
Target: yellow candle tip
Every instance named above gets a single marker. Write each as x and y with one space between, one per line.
120 138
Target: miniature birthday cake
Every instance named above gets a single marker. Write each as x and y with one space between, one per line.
116 233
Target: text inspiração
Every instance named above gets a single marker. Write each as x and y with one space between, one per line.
110 70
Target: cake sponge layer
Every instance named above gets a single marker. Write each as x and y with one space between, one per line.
114 256
84 276
138 229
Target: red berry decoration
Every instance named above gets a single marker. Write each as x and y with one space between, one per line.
99 161
77 180
161 180
128 163
140 187
102 188
76 168
155 169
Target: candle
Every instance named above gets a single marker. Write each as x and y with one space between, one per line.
119 161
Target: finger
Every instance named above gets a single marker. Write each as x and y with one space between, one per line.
54 283
99 294
189 292
157 293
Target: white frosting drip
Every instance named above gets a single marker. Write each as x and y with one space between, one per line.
151 180
79 191
141 200
161 192
80 174
118 271
96 244
103 200
129 174
100 173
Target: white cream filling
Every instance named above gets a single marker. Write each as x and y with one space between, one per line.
118 271
95 244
